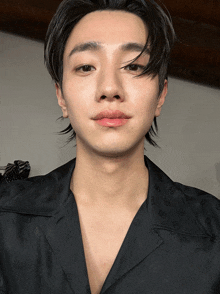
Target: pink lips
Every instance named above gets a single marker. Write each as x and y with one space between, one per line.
109 118
112 114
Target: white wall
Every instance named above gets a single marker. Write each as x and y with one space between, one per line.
189 127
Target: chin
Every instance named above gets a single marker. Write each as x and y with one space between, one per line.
113 150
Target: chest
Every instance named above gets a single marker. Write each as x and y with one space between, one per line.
102 240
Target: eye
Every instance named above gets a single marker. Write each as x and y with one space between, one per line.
84 68
134 67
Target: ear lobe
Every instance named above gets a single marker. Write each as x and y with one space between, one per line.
161 99
61 101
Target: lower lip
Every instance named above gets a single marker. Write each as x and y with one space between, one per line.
116 122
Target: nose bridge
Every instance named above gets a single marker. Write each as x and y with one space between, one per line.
110 82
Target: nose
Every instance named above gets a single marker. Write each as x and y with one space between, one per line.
109 84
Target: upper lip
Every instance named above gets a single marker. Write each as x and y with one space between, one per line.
111 114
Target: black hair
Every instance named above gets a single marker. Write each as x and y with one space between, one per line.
161 37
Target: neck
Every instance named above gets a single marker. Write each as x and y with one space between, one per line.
110 181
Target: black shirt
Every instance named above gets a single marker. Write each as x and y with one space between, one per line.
172 245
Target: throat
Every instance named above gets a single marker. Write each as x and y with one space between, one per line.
98 189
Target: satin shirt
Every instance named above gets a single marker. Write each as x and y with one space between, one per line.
172 245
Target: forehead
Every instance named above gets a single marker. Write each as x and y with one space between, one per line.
109 28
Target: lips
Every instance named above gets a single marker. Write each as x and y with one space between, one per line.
111 114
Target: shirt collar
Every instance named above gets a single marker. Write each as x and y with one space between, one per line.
46 195
40 195
170 208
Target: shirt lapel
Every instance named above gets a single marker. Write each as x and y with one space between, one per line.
140 241
64 236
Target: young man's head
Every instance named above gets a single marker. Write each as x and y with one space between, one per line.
110 55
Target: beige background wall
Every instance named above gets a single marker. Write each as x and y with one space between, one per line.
189 127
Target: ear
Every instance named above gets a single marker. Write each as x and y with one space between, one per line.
61 101
161 99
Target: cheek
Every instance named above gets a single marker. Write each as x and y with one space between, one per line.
146 115
144 107
78 100
144 98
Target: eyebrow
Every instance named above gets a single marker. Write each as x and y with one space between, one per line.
96 46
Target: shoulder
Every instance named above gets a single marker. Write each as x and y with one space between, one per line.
39 195
199 197
204 206
9 191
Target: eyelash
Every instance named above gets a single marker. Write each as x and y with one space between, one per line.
84 66
134 64
90 66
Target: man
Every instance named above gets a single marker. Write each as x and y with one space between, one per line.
109 221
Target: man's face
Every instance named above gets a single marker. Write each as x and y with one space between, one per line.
93 81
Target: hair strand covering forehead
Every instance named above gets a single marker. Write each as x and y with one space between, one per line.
161 38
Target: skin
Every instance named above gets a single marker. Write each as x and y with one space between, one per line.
110 174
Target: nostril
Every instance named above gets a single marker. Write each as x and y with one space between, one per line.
116 96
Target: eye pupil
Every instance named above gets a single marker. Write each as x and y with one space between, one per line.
86 67
134 67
